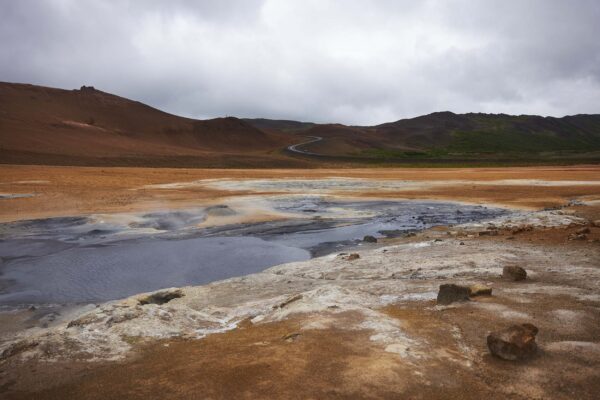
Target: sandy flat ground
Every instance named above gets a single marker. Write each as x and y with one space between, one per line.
329 327
44 191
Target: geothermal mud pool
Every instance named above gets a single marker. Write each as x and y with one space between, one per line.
105 257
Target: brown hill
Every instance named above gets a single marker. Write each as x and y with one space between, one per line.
91 127
41 125
340 139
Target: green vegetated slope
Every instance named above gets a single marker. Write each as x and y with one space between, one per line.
503 133
454 135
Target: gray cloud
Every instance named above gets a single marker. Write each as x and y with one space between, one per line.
327 61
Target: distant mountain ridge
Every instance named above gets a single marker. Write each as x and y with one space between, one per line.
86 126
477 132
446 134
279 124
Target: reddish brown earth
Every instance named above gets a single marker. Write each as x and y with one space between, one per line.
270 361
63 191
41 125
343 140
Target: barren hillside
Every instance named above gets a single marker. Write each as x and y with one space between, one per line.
88 126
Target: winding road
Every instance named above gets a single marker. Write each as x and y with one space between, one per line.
294 148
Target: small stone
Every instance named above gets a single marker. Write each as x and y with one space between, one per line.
582 231
32 308
522 229
290 337
288 301
161 297
514 273
488 233
516 342
84 320
462 243
370 239
449 293
578 236
480 290
353 256
120 317
596 223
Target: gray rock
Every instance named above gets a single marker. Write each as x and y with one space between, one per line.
161 297
514 273
516 342
449 293
370 239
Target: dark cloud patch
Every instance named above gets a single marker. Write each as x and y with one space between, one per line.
325 61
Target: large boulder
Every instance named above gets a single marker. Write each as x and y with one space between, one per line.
449 293
516 342
514 273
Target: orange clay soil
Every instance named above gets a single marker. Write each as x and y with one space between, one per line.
61 191
282 361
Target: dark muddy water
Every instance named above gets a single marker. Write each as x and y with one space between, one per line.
91 259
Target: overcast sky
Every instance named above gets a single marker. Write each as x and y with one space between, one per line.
355 62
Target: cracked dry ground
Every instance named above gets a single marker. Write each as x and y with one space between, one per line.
405 348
